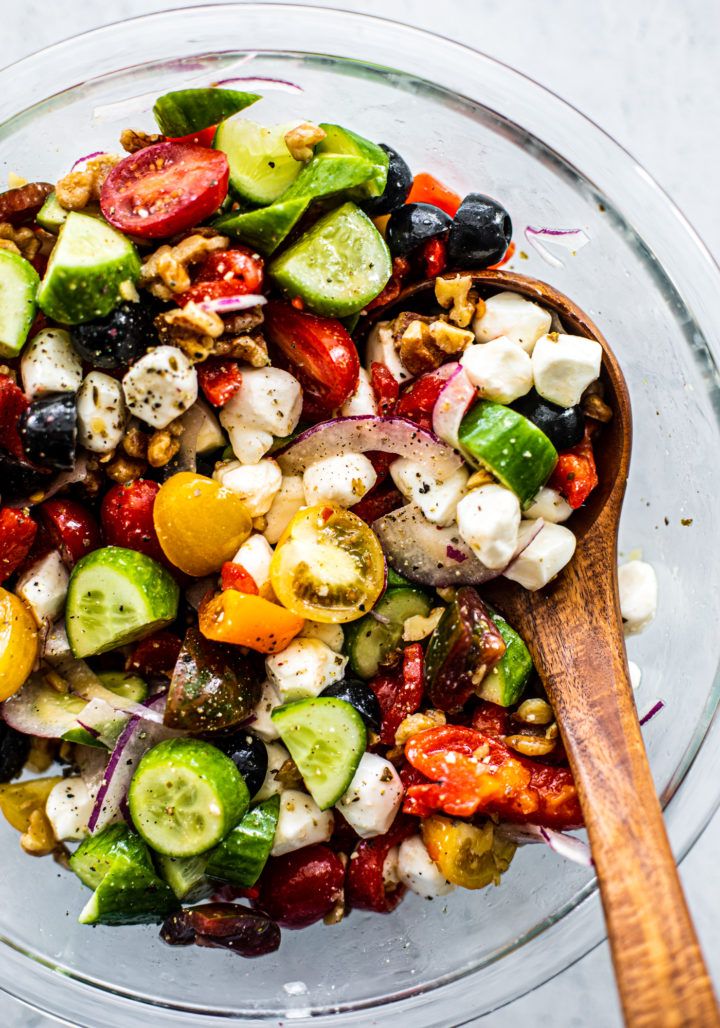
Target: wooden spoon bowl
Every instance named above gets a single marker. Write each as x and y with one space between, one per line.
573 629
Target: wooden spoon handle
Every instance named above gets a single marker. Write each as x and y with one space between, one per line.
661 974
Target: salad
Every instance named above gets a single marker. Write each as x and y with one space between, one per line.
252 492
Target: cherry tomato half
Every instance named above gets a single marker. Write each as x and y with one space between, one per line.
419 399
17 534
472 856
320 352
233 272
72 528
219 378
18 643
328 565
164 189
366 888
126 516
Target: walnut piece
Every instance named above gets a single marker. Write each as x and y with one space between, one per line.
132 140
595 407
41 755
164 444
78 188
301 140
135 442
418 627
454 294
39 839
450 338
415 723
125 469
19 240
480 477
250 350
165 272
192 328
418 351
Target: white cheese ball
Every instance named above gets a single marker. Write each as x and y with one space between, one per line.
563 367
268 400
44 587
248 444
501 370
277 755
488 521
304 668
101 413
263 726
300 823
161 386
550 506
255 484
342 480
437 500
547 554
50 364
507 314
332 635
363 400
418 871
380 347
288 500
373 797
68 809
255 555
637 584
635 674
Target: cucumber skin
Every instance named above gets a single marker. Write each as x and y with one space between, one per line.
17 269
242 855
129 894
185 876
342 140
327 175
505 683
95 855
184 111
488 428
51 215
368 632
265 228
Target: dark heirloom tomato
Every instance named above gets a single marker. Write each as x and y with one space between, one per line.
155 656
300 888
474 773
17 534
126 516
212 686
365 887
164 189
248 933
319 351
12 404
72 528
418 400
219 378
399 693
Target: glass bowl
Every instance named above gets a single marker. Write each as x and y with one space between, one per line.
646 280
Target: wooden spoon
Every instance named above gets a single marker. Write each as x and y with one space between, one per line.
573 629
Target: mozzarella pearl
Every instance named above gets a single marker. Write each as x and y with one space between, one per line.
373 797
50 364
418 871
488 521
547 554
300 823
256 484
564 366
304 668
342 480
507 314
437 500
500 369
101 413
637 584
161 386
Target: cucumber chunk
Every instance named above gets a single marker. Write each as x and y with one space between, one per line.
185 111
329 174
116 596
341 140
129 894
186 796
506 682
123 683
19 284
326 738
393 578
337 267
51 215
186 876
261 166
89 263
512 448
241 856
369 643
265 228
96 854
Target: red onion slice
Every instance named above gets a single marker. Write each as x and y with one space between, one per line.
88 157
565 845
568 238
655 709
455 397
103 722
228 304
369 432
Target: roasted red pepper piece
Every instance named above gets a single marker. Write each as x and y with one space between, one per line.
379 501
433 256
219 378
490 719
365 886
157 655
399 693
428 189
234 576
400 271
17 534
385 386
235 272
72 528
509 254
12 404
474 773
418 400
575 475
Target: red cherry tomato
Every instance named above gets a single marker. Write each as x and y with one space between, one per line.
299 888
219 378
164 189
234 576
471 772
418 400
205 137
239 265
378 502
385 386
320 352
428 189
399 693
157 655
365 888
126 516
575 475
17 534
72 528
12 404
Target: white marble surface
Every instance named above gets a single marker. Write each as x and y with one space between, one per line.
646 71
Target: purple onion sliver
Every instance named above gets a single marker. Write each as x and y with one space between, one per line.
568 846
89 157
455 554
531 230
89 729
655 709
228 304
382 619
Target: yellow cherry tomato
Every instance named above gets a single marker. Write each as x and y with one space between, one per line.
18 643
471 856
248 620
200 523
328 565
19 800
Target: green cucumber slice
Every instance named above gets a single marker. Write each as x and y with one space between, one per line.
116 596
89 263
512 448
393 578
125 684
129 894
328 174
186 796
326 738
337 267
19 284
261 166
341 140
186 876
369 643
265 228
51 215
241 856
185 111
96 854
506 682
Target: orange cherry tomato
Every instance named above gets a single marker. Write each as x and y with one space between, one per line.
18 643
428 189
200 524
248 620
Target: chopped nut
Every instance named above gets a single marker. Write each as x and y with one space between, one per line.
450 338
530 745
7 244
415 723
66 753
259 523
446 593
242 322
418 627
552 731
57 682
454 293
19 240
135 442
41 755
480 477
163 446
125 469
78 188
132 140
251 350
418 351
301 140
128 291
479 307
595 407
191 328
534 712
165 272
479 674
39 839
61 856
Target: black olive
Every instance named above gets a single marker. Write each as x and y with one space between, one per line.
413 224
19 480
360 696
117 339
14 748
564 426
480 234
397 187
48 430
248 754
